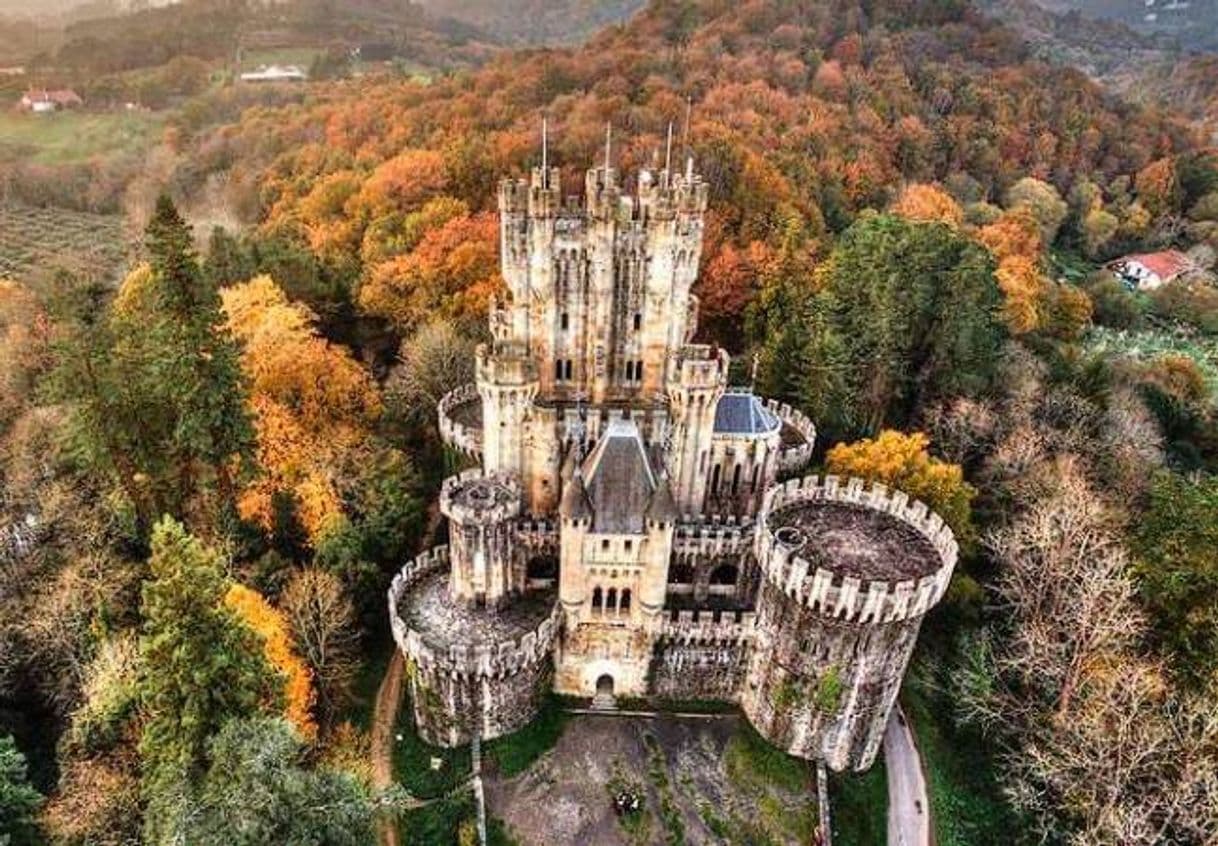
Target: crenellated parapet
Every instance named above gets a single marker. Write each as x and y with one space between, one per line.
709 627
713 537
460 420
474 496
787 554
432 561
537 533
798 437
432 654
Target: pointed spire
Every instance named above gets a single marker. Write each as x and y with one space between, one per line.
668 156
608 145
689 113
545 151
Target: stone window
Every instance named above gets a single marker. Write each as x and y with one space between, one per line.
611 601
724 574
638 321
568 369
605 545
597 600
680 574
565 320
625 603
629 544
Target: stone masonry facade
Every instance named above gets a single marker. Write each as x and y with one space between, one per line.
636 527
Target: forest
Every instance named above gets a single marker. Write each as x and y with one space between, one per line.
210 470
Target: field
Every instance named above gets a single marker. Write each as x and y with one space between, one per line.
33 239
1152 343
75 136
301 56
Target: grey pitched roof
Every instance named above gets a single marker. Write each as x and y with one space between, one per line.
742 413
575 505
662 508
620 480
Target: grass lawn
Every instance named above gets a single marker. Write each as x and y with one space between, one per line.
34 239
412 759
967 807
858 806
74 136
440 824
755 767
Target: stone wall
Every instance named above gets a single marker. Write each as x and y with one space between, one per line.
700 655
463 438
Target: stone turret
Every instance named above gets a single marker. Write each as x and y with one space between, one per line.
700 379
480 510
848 573
507 383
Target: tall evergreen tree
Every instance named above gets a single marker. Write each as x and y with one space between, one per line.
203 667
258 791
905 313
156 385
18 800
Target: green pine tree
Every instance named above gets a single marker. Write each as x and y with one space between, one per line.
202 668
19 801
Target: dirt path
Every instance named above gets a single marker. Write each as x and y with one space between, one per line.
384 718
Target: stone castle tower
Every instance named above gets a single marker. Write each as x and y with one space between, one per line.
628 532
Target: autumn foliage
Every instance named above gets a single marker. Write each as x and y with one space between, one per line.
902 461
928 204
312 402
281 654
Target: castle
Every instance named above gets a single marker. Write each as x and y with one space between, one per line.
637 528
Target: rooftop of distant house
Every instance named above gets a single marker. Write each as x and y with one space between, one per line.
275 73
60 97
1166 264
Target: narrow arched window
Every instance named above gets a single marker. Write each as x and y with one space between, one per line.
597 600
611 601
625 606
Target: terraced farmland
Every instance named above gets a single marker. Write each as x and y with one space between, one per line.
34 239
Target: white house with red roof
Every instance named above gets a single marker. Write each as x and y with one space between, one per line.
1147 271
46 100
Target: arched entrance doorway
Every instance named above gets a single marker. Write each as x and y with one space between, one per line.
604 693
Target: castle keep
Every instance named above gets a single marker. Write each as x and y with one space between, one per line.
637 527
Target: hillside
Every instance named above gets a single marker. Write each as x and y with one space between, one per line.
1141 67
537 21
212 471
1194 23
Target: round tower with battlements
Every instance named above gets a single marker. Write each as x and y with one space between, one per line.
848 572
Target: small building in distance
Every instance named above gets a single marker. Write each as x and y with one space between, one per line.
276 73
1148 271
44 100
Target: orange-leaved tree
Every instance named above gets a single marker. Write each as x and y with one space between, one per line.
928 204
268 623
453 272
902 461
314 405
1014 240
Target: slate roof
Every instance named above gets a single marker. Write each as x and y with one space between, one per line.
742 413
620 480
